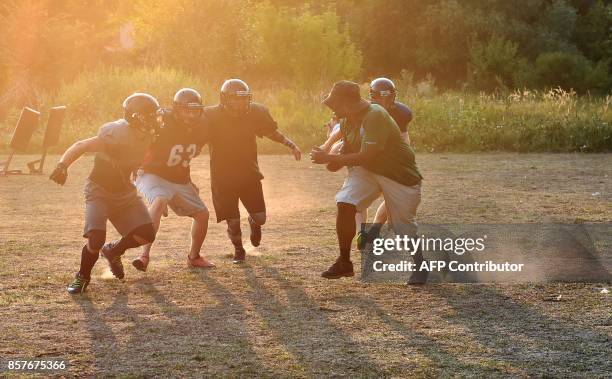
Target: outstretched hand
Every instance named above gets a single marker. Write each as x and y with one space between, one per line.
60 174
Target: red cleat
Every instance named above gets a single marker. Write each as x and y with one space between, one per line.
141 263
199 262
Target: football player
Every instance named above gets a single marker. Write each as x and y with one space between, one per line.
165 179
120 147
234 173
379 161
383 93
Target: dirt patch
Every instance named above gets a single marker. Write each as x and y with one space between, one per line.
275 316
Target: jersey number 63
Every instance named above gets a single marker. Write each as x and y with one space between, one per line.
179 154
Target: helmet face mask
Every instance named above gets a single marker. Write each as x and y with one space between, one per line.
237 105
383 99
141 112
382 92
147 123
236 97
187 105
188 114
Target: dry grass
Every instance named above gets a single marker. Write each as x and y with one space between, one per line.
275 317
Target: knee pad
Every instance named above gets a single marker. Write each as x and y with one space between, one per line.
145 232
258 218
95 239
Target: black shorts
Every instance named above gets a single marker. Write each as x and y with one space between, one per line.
225 199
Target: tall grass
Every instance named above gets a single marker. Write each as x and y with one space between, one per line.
526 121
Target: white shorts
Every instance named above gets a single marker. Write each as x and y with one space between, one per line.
183 199
362 187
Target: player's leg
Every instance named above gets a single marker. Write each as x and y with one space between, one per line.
89 257
156 210
379 220
187 202
95 232
235 235
345 228
225 200
158 193
132 220
358 192
381 214
402 203
256 221
252 198
199 228
361 218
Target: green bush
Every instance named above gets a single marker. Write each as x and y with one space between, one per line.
570 72
493 64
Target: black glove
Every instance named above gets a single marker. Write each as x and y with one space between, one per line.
60 174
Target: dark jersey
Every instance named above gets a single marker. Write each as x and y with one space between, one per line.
123 152
233 147
169 156
402 115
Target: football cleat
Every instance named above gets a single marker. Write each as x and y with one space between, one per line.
114 260
78 285
239 255
141 263
255 233
339 269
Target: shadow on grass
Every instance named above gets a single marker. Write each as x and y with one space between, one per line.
104 344
127 341
523 336
320 347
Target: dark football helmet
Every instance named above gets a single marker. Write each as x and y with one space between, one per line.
187 105
382 92
140 111
236 96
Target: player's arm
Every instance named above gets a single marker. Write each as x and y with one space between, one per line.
331 140
74 152
374 140
336 162
279 137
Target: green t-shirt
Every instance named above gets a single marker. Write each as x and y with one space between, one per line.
396 158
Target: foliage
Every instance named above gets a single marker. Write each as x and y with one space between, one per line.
525 120
90 54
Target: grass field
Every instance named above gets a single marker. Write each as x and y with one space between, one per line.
274 316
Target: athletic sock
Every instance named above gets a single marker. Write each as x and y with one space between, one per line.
235 236
145 232
125 243
88 260
345 255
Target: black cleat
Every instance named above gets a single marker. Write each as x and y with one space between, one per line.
255 233
114 260
78 285
339 269
239 255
